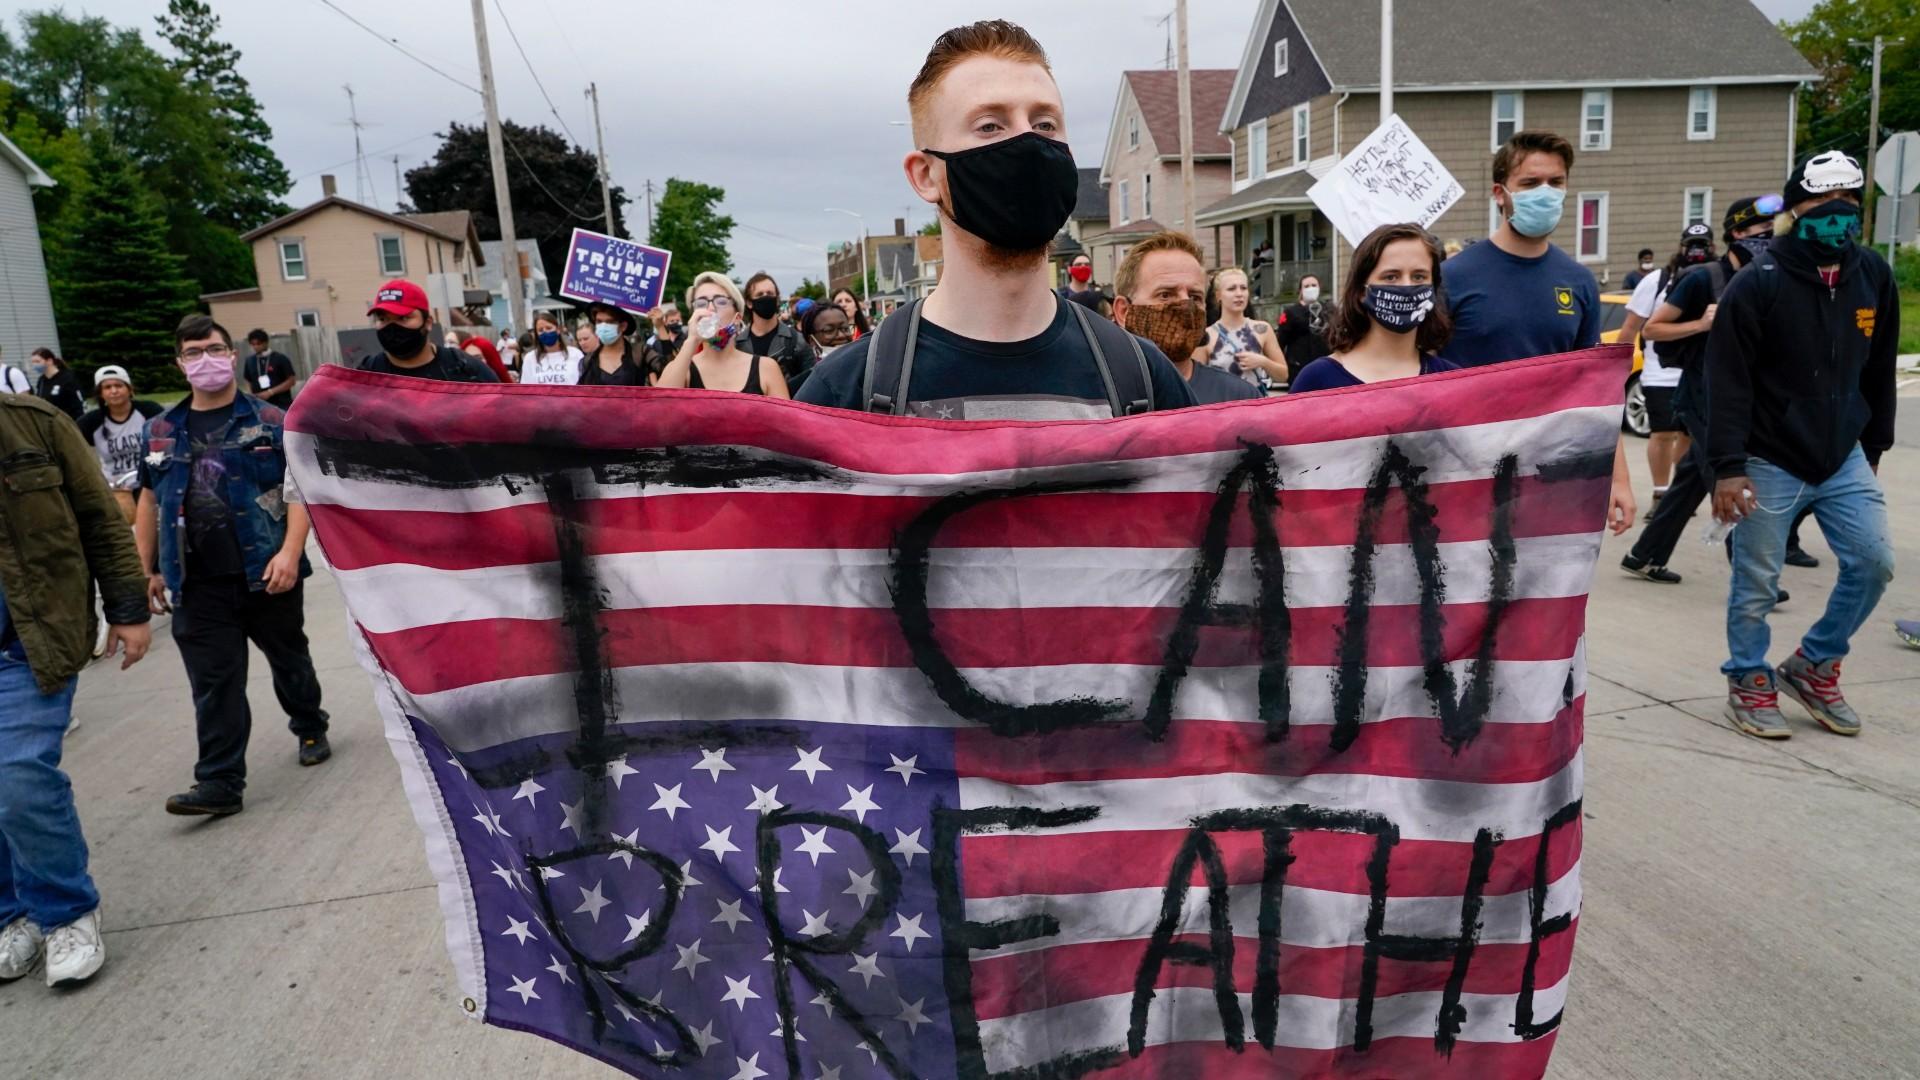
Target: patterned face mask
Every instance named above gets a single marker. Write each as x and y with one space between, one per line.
1177 328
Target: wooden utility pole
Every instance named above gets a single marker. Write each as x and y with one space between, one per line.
502 194
1186 120
1386 59
600 145
1873 132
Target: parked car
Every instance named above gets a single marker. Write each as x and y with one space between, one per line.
1613 315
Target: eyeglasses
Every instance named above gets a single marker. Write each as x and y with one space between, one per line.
217 352
704 302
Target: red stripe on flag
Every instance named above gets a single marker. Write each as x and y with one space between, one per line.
1028 864
756 520
1386 1059
1043 978
442 656
1410 747
362 406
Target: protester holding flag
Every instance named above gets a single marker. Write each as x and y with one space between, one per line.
1785 433
1244 348
1390 325
115 429
711 358
553 361
613 361
994 339
401 322
232 558
1159 293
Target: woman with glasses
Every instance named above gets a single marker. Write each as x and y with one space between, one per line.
711 358
826 328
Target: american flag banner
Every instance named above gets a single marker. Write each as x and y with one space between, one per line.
754 739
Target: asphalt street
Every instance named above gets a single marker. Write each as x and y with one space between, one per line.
1749 908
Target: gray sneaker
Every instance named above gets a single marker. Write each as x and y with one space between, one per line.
22 947
1754 707
1817 688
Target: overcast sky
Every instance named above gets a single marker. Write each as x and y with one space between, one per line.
789 112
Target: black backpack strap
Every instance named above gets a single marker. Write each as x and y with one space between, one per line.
1717 277
1129 386
883 389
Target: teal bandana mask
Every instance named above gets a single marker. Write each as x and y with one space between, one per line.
1830 227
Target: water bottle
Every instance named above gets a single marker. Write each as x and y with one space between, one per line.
706 327
1719 531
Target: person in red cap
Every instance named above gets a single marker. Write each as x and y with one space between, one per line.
401 322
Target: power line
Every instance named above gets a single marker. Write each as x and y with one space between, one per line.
533 175
530 70
401 49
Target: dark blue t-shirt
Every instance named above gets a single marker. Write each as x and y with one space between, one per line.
1327 373
1211 386
1048 377
1505 307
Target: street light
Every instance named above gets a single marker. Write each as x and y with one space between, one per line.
866 302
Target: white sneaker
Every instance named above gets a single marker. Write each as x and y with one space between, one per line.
75 951
21 947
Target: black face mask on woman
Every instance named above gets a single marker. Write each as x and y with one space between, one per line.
1014 194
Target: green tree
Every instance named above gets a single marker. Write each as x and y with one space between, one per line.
118 286
686 223
555 186
811 289
213 67
931 228
1834 112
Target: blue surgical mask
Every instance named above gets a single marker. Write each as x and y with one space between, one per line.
607 332
1536 211
549 338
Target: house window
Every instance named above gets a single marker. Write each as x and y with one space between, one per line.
1133 132
1596 120
1701 111
1592 245
1509 115
393 257
1698 206
293 260
1302 121
1146 195
1125 214
1302 239
306 318
1256 149
1280 58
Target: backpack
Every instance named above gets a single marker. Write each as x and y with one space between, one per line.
889 370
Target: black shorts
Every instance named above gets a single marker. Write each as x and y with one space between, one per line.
1660 408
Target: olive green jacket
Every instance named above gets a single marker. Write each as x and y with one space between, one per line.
60 531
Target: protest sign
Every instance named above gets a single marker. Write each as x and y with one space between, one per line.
753 739
1389 179
608 270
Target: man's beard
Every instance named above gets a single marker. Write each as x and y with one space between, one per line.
1004 260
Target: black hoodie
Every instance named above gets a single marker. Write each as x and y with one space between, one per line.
1799 372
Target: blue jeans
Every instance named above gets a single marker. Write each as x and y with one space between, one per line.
43 858
1852 514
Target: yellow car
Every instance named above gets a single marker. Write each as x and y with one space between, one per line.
1613 315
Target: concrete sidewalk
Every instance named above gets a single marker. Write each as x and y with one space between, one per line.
1750 908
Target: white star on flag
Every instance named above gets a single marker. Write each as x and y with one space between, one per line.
636 927
860 802
632 839
528 789
505 875
461 769
860 886
814 843
816 925
618 770
809 763
829 1072
764 801
912 1016
907 769
591 901
738 991
823 1001
669 800
524 987
718 842
714 761
559 969
570 813
749 1067
867 967
909 930
516 930
690 960
703 1037
731 914
548 873
491 821
906 845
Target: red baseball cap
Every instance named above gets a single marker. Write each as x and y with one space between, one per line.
399 297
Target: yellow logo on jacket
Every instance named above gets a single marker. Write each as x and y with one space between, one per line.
1563 296
1863 318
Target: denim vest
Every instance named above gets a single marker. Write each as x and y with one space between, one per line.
255 456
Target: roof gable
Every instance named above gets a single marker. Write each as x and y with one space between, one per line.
36 176
1156 93
348 204
1091 200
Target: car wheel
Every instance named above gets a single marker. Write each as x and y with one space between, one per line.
1635 420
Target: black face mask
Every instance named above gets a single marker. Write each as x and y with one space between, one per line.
1014 194
765 306
1752 247
401 341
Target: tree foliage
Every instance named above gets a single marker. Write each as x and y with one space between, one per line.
931 228
811 289
119 287
555 186
212 67
1834 112
687 223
